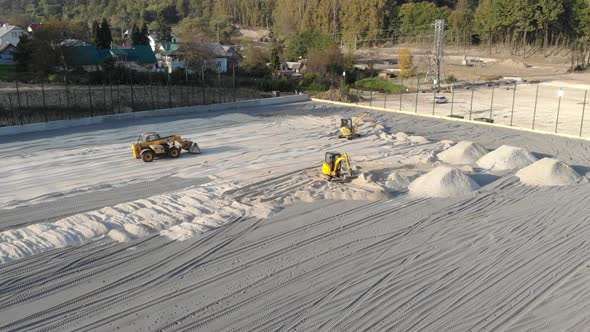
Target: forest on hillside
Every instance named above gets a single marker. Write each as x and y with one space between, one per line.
546 21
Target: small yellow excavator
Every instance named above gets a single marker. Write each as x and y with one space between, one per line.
150 146
349 128
333 170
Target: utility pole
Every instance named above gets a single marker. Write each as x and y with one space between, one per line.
436 70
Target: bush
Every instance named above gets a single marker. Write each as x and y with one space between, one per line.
52 78
451 79
254 70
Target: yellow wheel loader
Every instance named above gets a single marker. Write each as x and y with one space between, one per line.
334 170
349 128
150 146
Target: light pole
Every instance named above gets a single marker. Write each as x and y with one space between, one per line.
560 94
435 82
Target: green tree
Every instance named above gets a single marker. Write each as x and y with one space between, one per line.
275 60
135 35
417 18
299 45
461 21
163 31
94 33
144 35
104 36
547 15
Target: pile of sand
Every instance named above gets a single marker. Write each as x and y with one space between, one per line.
506 158
548 172
463 153
514 64
443 181
400 180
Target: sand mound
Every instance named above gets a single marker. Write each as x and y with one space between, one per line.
514 64
443 181
400 180
548 172
464 153
506 158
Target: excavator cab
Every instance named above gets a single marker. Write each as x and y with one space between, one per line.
346 123
349 128
332 168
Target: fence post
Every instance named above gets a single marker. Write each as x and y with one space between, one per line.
558 108
11 109
169 92
535 110
452 98
234 80
513 102
132 94
371 98
104 93
433 100
67 95
90 96
44 103
492 103
385 102
417 92
583 111
17 95
401 95
203 83
219 83
152 92
111 91
471 104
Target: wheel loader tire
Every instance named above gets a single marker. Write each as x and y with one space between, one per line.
148 156
174 153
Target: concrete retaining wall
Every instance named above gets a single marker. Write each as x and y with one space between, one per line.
62 124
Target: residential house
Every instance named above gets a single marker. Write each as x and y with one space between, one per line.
6 54
292 68
10 34
91 58
221 58
170 57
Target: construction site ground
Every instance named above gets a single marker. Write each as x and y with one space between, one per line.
246 236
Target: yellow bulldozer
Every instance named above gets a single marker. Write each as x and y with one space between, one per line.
150 146
349 128
336 167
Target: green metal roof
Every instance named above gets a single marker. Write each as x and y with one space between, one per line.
89 55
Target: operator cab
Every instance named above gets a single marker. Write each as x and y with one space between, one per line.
331 158
346 123
148 137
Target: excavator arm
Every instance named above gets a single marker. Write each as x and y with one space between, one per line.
358 119
339 161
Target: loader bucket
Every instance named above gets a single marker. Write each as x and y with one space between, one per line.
193 148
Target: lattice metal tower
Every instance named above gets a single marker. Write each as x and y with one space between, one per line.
436 70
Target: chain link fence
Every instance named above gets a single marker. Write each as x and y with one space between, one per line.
101 93
547 107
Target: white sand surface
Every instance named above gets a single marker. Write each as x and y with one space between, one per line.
255 240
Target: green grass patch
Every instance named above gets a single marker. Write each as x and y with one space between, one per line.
315 88
7 72
378 84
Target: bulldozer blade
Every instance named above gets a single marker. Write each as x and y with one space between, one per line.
194 148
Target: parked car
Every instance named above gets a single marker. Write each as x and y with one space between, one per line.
440 100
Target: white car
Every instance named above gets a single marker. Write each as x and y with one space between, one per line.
440 100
